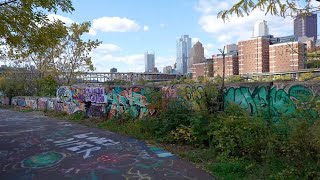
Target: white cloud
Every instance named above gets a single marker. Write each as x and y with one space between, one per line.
237 28
92 32
55 17
124 63
162 25
208 50
107 56
107 49
114 24
213 6
146 28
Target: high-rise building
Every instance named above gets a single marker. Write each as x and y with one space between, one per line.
306 25
183 54
260 29
149 62
197 54
113 70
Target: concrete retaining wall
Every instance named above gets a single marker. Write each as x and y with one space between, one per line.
257 98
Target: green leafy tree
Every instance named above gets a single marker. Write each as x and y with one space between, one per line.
274 7
63 59
19 19
72 55
41 48
15 82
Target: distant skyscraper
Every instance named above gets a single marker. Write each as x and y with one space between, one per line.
113 70
183 54
260 28
149 62
306 26
197 54
167 70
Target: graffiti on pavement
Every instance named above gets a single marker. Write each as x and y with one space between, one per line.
79 144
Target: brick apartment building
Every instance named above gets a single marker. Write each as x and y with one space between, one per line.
285 58
254 55
204 69
231 65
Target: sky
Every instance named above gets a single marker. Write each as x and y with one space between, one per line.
130 28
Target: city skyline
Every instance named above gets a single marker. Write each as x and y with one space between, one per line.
129 31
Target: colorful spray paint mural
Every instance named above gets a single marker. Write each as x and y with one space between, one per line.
275 99
111 102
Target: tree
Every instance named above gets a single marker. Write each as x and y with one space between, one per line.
20 18
274 7
72 55
64 58
40 48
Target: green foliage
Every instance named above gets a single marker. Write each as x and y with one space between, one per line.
273 7
13 84
188 80
230 170
235 79
313 63
217 79
305 76
48 86
78 116
211 96
131 128
200 79
72 54
21 19
183 134
177 113
287 77
238 137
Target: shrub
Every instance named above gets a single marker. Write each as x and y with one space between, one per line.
183 134
238 136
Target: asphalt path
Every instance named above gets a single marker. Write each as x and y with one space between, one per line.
36 147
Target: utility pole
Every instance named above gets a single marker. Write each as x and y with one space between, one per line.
221 108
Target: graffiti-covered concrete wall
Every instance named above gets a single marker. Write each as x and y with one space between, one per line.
105 101
276 99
